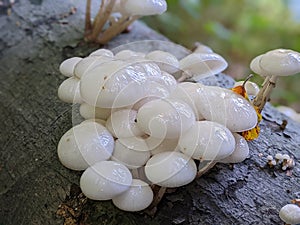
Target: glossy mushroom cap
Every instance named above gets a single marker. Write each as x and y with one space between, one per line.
138 197
207 140
170 169
240 153
278 62
105 180
227 108
290 214
84 145
67 67
199 65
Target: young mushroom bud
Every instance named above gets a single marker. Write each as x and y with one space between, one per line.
69 91
67 67
252 88
240 153
138 197
199 65
84 145
166 61
207 140
167 118
290 214
123 124
105 180
132 152
227 108
170 169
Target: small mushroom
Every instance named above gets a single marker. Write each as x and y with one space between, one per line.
138 197
69 91
165 118
105 180
89 63
278 62
252 88
123 124
240 153
207 140
187 92
132 152
115 16
200 65
158 145
67 67
290 214
84 145
170 169
226 107
165 60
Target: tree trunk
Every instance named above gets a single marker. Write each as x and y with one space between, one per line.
35 37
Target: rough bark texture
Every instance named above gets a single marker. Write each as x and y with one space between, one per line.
34 39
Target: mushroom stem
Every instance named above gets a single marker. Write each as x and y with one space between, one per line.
115 28
183 77
265 92
205 169
159 193
88 24
101 18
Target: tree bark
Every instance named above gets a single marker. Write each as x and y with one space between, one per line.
34 39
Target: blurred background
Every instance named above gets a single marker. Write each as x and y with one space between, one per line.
238 30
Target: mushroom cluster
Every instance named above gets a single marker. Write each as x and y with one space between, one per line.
145 124
114 16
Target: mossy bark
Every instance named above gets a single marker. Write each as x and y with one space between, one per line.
34 38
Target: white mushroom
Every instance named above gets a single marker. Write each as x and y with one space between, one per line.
118 84
170 169
278 62
251 87
67 67
89 63
84 145
91 112
129 154
290 214
158 145
207 140
240 153
199 65
69 91
165 60
226 107
105 180
138 197
122 124
187 92
165 118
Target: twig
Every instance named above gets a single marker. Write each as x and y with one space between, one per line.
88 24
